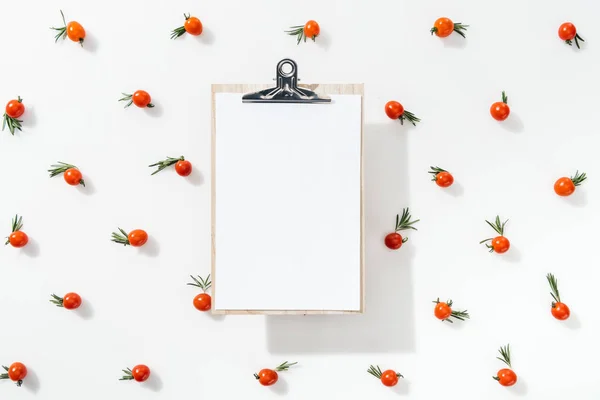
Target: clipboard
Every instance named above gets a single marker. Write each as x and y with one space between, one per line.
315 272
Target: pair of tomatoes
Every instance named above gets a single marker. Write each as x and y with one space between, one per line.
16 373
70 301
139 373
71 173
388 377
268 376
135 238
73 30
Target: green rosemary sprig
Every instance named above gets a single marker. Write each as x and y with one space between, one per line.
577 38
62 32
203 284
284 366
121 238
404 222
165 163
434 171
297 31
56 300
375 371
498 227
554 289
128 375
578 178
410 117
12 123
4 375
505 355
460 29
504 98
17 224
177 32
61 168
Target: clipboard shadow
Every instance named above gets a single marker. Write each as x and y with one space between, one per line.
388 323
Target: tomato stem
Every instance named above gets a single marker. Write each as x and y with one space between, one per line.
56 300
256 376
578 178
375 371
165 163
203 284
410 117
12 123
121 238
297 31
460 29
284 366
554 289
505 355
504 98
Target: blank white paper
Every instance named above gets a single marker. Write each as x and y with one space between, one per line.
287 204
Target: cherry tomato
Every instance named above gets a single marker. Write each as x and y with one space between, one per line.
17 372
267 377
15 108
18 239
567 31
500 111
140 373
393 109
183 168
141 98
442 311
71 301
193 26
443 27
444 179
72 176
393 241
312 29
389 378
137 237
564 186
506 377
561 311
500 244
75 31
203 302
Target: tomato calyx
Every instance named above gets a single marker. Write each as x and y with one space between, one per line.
498 227
460 315
434 171
577 39
165 163
61 168
129 99
177 32
203 284
12 123
121 238
578 178
504 98
17 224
376 372
404 222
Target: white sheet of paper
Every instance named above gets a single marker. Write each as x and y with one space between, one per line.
287 178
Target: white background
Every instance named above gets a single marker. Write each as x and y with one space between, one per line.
138 309
292 174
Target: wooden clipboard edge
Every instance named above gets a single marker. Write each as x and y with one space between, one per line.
327 89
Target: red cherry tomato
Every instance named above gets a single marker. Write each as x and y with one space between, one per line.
203 302
73 176
71 301
389 378
500 111
442 311
137 237
507 377
18 239
140 373
15 108
564 186
183 168
500 244
141 98
561 311
443 27
267 377
393 109
444 179
312 29
17 372
193 26
567 31
75 32
393 241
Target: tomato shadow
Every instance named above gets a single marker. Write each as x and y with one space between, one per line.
519 388
513 124
154 383
455 190
402 388
195 178
513 255
32 249
323 40
29 118
217 317
90 43
156 111
577 199
89 187
388 288
573 322
281 387
85 311
206 37
31 381
455 41
151 248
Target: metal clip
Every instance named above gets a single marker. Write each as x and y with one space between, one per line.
287 90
